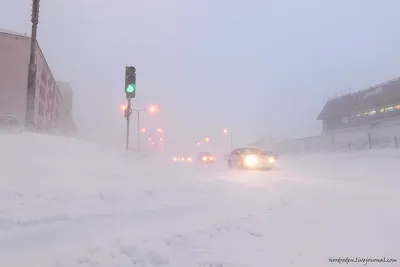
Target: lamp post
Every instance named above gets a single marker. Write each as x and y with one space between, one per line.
128 110
230 139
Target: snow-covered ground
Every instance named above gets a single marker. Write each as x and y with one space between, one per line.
69 203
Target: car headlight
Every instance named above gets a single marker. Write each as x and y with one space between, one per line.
251 161
271 160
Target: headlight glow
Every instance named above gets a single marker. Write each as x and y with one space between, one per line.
204 158
250 161
271 160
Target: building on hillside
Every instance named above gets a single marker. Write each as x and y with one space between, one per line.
14 62
373 107
65 122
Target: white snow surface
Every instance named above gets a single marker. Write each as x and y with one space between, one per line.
65 202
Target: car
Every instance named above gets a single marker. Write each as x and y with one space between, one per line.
252 159
205 157
182 159
9 124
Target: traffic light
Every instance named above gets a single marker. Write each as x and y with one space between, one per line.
130 81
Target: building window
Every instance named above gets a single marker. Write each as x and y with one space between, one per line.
388 109
369 113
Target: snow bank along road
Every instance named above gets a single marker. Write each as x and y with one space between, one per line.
69 203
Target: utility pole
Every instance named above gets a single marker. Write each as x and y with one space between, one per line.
31 88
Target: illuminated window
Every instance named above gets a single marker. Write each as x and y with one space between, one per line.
387 109
372 112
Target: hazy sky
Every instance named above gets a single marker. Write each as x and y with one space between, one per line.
256 67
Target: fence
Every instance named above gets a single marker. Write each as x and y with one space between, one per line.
361 140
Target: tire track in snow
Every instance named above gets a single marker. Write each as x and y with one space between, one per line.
7 224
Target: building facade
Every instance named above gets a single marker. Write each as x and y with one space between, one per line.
65 121
14 62
373 107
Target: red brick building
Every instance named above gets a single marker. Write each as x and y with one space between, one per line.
14 62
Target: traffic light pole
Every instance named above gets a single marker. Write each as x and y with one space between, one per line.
138 130
130 92
128 115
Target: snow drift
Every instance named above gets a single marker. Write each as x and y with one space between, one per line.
70 203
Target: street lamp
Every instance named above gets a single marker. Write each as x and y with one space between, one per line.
123 107
150 109
207 139
144 130
159 130
230 145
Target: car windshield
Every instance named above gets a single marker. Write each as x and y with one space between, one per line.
268 153
251 151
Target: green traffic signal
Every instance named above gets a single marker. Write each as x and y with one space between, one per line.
131 88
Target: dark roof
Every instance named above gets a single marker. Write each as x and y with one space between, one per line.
377 96
336 107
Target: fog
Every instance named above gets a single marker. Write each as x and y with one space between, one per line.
253 68
256 68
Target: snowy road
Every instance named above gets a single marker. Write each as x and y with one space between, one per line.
75 204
